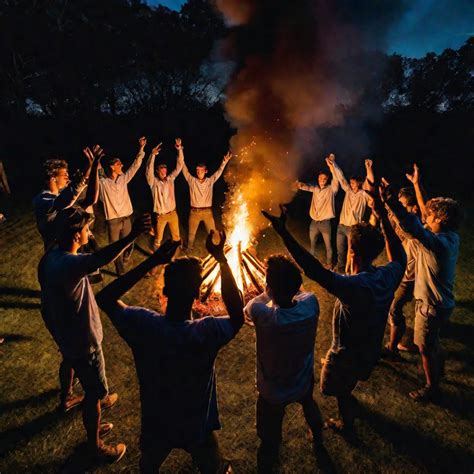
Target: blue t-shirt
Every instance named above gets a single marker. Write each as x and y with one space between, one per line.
175 368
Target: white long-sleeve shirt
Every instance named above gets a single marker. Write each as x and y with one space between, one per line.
322 205
355 203
162 190
201 191
114 192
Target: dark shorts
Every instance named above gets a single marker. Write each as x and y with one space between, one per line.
90 370
428 322
339 375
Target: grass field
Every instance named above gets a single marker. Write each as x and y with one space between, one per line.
395 434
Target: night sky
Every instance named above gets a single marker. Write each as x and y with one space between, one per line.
425 26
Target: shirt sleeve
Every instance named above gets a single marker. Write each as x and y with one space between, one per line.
258 310
306 187
214 177
414 229
217 330
186 173
132 170
179 166
149 170
341 178
78 266
68 196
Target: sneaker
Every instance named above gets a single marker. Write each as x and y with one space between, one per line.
109 401
71 402
105 429
109 453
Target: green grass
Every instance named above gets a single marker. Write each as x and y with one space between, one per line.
395 435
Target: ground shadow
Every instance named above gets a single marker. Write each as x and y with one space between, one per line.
143 251
29 402
15 338
79 461
463 333
422 449
25 292
108 272
19 305
466 304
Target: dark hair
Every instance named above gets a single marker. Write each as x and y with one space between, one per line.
70 221
326 173
183 278
366 241
51 168
161 165
447 210
409 195
201 164
283 277
110 163
357 178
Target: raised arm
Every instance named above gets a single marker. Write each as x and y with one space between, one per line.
215 176
109 253
337 174
92 193
338 285
230 292
305 187
108 298
150 165
330 160
415 180
137 162
179 160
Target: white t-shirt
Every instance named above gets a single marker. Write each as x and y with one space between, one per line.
285 346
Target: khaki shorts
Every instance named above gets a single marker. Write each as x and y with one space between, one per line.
428 322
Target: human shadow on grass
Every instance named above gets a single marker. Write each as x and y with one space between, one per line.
13 438
15 338
29 402
466 304
14 291
423 449
143 251
79 461
463 333
19 305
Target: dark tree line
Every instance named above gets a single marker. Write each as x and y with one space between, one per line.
79 71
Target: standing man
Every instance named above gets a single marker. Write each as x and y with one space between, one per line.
175 357
285 320
360 310
71 315
117 204
353 208
200 191
435 249
322 209
162 189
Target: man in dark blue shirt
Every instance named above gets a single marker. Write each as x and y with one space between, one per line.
175 356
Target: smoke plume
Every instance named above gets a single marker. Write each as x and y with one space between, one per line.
292 76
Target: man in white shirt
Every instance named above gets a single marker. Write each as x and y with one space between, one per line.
162 189
435 249
113 193
322 209
353 209
200 191
285 322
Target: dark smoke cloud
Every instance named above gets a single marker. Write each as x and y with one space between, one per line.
293 75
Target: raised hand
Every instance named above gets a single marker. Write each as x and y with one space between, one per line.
142 142
178 144
166 251
96 154
415 176
331 158
227 156
330 163
156 150
278 222
141 225
368 164
385 191
216 250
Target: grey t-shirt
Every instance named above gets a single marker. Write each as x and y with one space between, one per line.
68 303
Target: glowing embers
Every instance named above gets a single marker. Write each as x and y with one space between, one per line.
248 271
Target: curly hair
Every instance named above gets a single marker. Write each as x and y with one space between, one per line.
51 168
283 277
447 210
70 221
366 241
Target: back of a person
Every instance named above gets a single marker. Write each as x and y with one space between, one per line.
285 349
435 270
68 305
175 367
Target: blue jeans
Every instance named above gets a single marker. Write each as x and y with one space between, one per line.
324 228
342 238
